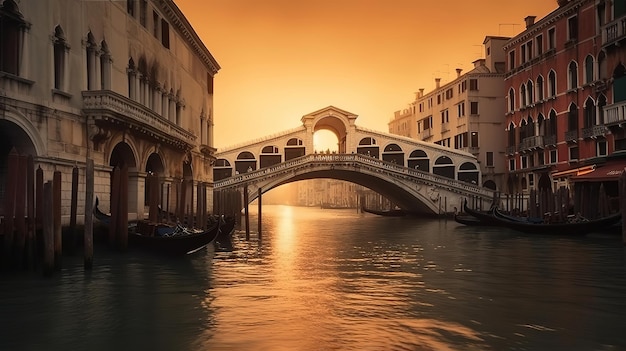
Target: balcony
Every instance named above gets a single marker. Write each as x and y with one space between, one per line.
426 133
107 106
510 150
549 140
594 131
571 136
613 32
531 143
615 113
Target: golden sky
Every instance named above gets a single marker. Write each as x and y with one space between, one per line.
282 59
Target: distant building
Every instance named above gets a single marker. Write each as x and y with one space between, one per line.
126 83
566 96
464 114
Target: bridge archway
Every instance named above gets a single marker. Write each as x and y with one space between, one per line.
367 146
393 153
246 162
336 124
444 167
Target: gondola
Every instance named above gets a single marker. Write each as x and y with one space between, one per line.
578 227
482 217
387 213
171 240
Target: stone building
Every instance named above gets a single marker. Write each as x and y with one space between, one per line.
464 114
566 96
125 83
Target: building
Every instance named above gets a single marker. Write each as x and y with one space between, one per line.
566 96
125 83
464 114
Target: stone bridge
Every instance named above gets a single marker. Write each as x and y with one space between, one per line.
415 175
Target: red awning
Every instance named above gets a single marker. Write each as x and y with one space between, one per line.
605 172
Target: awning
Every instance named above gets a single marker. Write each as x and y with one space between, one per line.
573 172
608 171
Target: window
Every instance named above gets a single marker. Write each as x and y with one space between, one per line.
60 49
13 29
573 153
601 148
512 164
155 23
438 99
522 95
553 156
602 69
449 94
572 75
474 139
539 88
463 86
105 66
461 109
541 158
473 84
531 180
551 38
552 84
601 104
165 34
589 69
130 7
524 160
143 12
572 28
529 51
539 44
590 113
522 55
529 91
511 100
489 158
444 116
474 108
511 59
572 118
91 49
601 16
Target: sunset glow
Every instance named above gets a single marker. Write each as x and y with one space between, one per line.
282 59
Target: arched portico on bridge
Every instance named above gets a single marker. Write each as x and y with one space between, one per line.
283 147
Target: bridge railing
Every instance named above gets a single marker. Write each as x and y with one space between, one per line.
374 165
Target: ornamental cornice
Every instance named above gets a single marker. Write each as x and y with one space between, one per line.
545 22
178 19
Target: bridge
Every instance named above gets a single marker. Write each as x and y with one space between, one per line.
417 176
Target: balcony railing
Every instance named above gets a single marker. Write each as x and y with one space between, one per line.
533 142
510 150
549 140
571 135
614 31
594 131
426 133
615 113
109 103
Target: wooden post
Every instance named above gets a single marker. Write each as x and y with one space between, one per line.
115 194
48 230
183 202
153 212
73 210
122 225
260 206
246 200
9 205
20 215
30 211
56 204
88 239
622 205
39 205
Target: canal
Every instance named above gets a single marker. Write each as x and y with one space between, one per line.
324 279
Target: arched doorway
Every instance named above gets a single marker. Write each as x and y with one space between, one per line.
11 136
393 153
122 156
444 167
368 146
418 159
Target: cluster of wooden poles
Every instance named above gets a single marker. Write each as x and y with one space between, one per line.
231 201
31 227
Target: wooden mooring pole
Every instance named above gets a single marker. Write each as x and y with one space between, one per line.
48 230
247 211
56 208
259 215
73 210
88 239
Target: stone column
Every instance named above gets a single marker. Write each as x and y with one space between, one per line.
136 195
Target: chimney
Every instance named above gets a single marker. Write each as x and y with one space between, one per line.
437 82
530 20
562 2
421 93
458 72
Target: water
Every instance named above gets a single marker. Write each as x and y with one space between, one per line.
333 280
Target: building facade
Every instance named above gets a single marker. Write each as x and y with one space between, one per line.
464 114
125 83
565 95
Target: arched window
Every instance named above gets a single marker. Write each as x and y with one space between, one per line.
552 84
61 49
511 100
92 56
529 91
601 104
572 118
572 75
105 66
522 95
603 72
13 29
539 88
589 69
590 113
